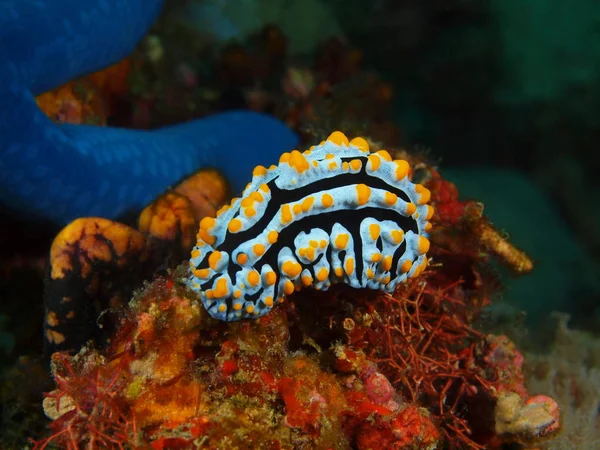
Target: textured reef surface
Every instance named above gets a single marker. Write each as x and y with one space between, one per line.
364 274
345 367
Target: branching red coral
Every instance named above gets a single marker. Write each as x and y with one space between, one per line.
88 406
427 351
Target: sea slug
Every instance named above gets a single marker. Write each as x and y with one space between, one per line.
332 214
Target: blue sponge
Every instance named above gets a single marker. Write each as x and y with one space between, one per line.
62 172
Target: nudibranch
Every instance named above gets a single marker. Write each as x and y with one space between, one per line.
61 172
335 213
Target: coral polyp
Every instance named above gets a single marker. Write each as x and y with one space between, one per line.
334 213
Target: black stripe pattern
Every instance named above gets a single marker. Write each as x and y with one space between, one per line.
335 213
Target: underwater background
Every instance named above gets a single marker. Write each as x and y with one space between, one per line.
501 97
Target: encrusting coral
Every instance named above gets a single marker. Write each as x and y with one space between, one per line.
343 368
